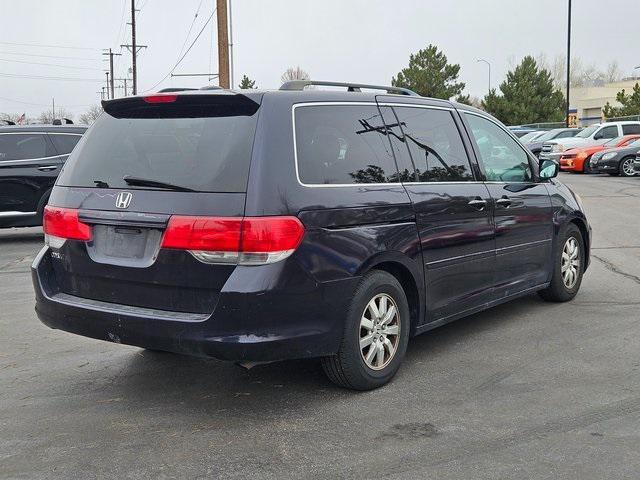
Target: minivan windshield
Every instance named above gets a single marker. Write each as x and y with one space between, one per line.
206 154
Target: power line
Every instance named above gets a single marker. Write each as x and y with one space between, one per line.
190 28
185 53
124 7
41 104
49 64
48 56
47 46
39 77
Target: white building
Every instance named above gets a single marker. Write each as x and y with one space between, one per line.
588 102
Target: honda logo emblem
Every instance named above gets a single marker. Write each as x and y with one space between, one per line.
123 200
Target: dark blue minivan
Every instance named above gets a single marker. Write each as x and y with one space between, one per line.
257 226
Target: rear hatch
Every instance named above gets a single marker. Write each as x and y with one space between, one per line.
147 162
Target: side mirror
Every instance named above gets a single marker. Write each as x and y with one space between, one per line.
549 169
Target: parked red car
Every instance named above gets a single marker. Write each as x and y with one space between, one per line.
577 159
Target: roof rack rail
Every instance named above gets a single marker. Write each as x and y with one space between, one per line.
351 87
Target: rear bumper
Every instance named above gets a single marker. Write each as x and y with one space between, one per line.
254 320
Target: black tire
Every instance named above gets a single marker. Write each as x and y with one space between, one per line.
558 290
622 167
586 165
348 368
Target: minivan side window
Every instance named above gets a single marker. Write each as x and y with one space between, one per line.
435 145
23 146
64 143
631 129
342 144
606 132
503 158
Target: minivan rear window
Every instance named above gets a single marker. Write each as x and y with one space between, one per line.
343 144
203 152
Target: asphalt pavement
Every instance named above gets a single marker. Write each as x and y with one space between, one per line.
525 390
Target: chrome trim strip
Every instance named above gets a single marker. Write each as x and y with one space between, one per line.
140 312
16 214
484 252
41 133
510 247
415 105
4 162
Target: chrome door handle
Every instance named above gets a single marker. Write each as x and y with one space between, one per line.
478 204
47 168
504 201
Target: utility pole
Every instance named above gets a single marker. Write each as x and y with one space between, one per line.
107 74
111 55
223 44
53 109
568 59
134 48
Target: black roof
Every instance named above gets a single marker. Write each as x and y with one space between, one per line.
43 128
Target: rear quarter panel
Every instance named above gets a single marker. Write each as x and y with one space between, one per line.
348 229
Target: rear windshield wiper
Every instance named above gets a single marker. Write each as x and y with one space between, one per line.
146 182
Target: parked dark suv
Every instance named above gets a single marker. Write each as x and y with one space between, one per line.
258 226
30 159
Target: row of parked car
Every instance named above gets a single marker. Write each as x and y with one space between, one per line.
610 147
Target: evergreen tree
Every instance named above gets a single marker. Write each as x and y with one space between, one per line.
527 95
429 74
246 83
630 104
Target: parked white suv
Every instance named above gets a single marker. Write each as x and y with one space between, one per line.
592 135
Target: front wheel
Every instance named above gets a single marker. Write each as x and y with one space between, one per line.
375 336
626 167
568 267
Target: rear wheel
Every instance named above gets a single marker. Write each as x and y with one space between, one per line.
568 267
626 167
375 336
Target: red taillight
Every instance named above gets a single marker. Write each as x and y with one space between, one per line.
271 234
160 98
203 233
247 240
64 223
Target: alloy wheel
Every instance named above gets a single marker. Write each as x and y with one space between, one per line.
379 331
570 262
627 167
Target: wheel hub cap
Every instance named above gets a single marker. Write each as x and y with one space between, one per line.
379 331
570 266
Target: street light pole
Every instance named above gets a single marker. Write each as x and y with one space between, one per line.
488 65
568 59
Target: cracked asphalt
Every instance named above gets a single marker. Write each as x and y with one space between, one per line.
525 390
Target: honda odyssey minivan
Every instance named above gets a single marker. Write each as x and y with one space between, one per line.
256 226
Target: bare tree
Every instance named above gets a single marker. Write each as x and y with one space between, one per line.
48 115
582 75
294 73
88 117
613 72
